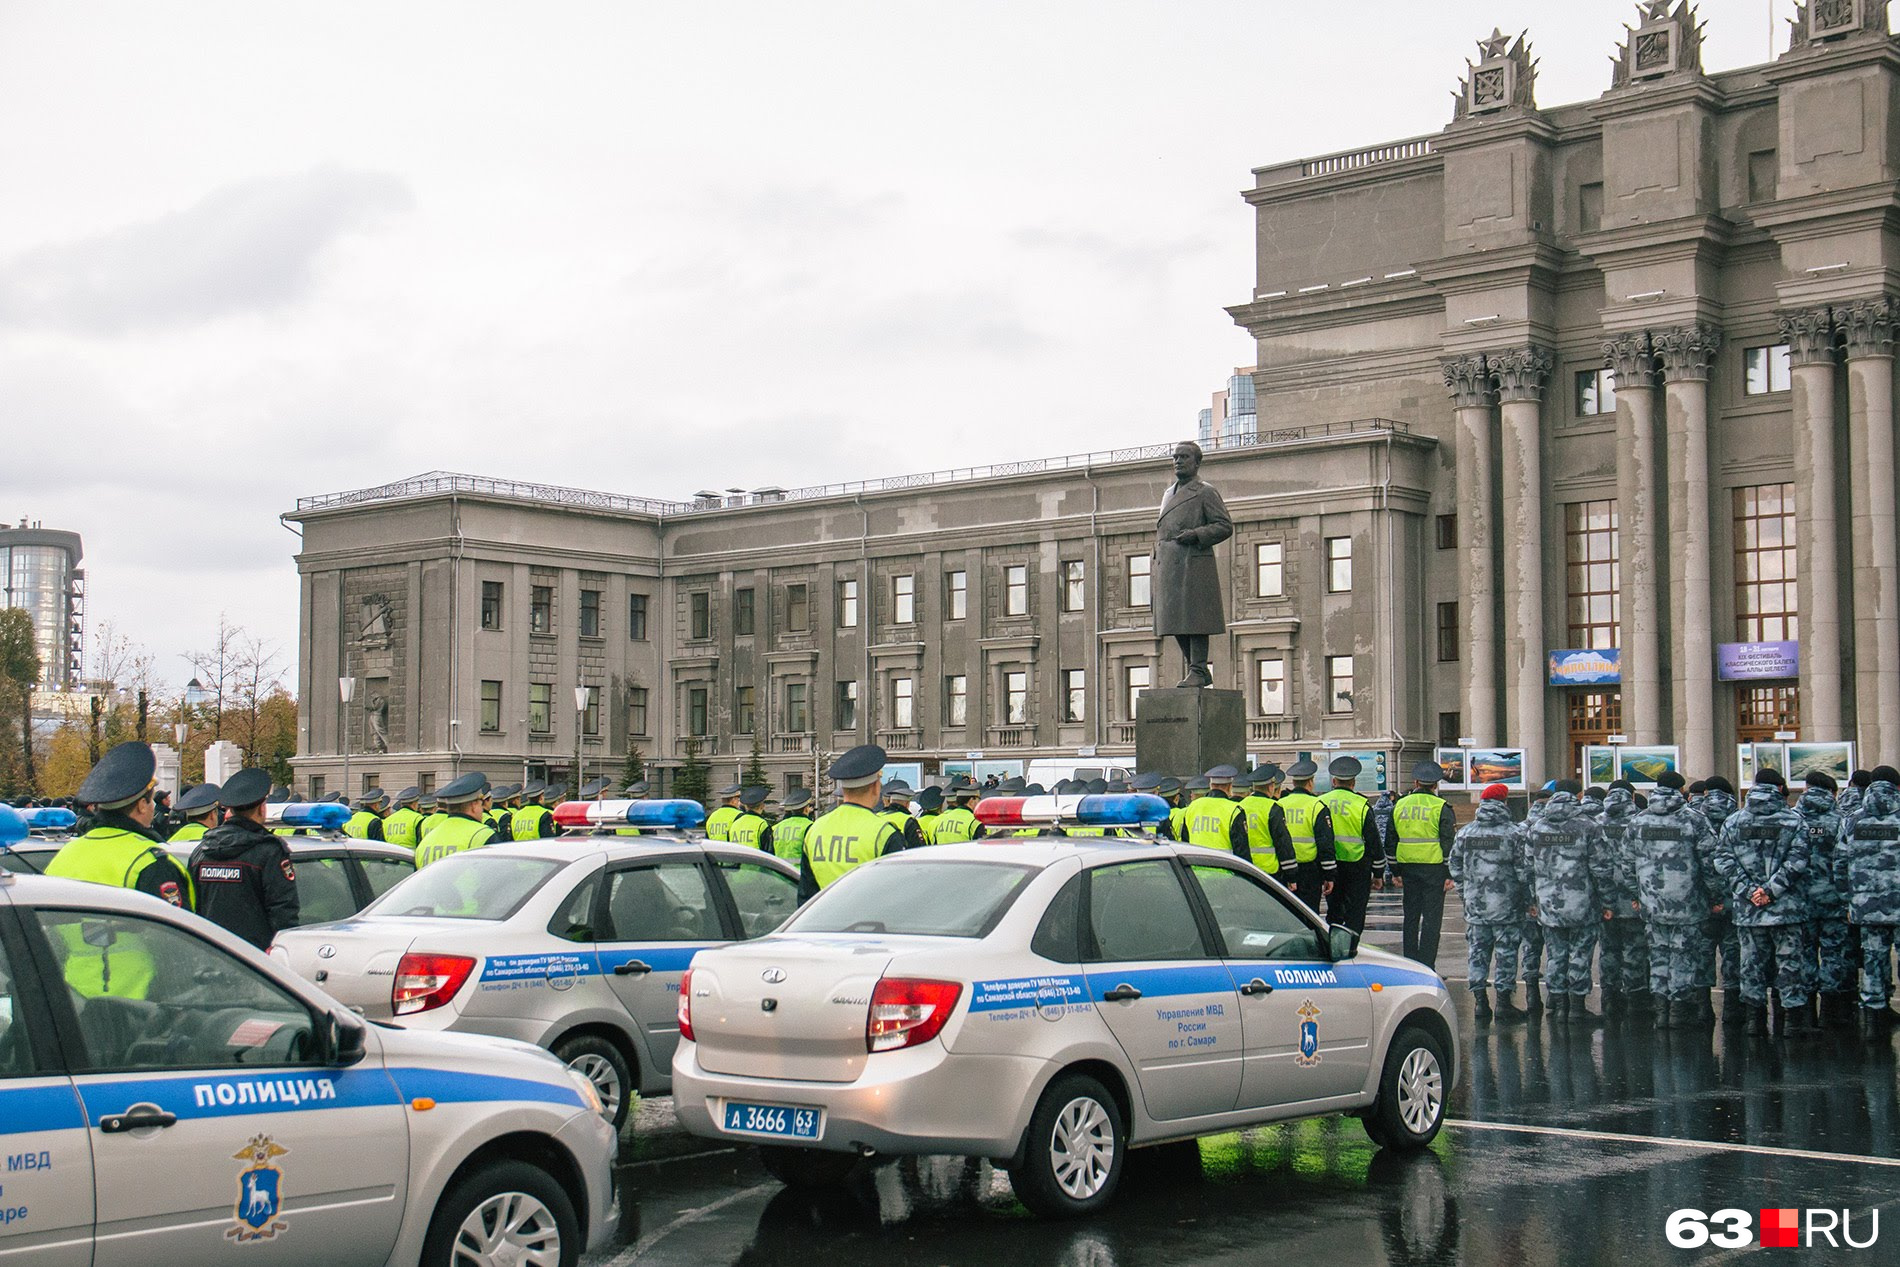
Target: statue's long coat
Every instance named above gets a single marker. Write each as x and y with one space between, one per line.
1187 597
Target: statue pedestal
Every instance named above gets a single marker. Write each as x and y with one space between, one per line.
1185 731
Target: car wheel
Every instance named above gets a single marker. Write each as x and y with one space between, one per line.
1411 1103
806 1167
506 1212
1075 1152
601 1063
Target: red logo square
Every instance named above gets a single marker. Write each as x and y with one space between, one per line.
1780 1229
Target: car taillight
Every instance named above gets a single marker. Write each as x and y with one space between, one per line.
428 981
906 1013
686 1006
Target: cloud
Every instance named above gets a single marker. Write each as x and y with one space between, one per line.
247 247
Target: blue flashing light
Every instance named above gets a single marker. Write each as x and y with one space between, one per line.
12 826
1117 809
1121 809
49 818
651 815
324 816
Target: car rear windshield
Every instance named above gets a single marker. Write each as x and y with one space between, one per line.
472 885
925 899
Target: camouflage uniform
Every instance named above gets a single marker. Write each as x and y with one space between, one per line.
1670 844
1867 867
1530 940
1486 865
1765 847
1724 943
1566 856
1379 823
1829 932
1625 949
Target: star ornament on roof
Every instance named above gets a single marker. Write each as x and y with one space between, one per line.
1498 45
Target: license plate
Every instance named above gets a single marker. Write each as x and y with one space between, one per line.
775 1121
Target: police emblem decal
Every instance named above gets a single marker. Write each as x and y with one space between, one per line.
260 1193
1309 1036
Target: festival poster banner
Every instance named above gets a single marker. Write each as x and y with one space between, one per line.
1643 766
1833 759
1495 765
1452 762
1757 661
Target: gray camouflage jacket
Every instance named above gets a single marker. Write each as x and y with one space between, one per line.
1619 893
1672 844
1764 846
1567 865
1821 827
1486 863
1867 864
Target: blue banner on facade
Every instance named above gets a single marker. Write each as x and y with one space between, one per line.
1602 666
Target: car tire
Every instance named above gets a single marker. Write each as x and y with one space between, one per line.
1411 1104
1074 1154
601 1063
806 1167
501 1203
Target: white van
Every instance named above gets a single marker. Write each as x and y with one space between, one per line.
1049 771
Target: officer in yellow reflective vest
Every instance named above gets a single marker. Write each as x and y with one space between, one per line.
463 803
367 822
403 825
751 828
1310 826
897 813
1174 792
854 833
1356 848
1267 837
719 822
1425 829
958 824
199 807
500 816
432 815
788 832
929 810
1215 820
533 821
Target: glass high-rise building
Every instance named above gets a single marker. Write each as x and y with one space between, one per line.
40 574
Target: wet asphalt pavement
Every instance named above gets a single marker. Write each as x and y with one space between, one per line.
1563 1147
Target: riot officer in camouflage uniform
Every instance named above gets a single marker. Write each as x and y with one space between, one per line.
1670 846
1867 866
1530 940
1829 933
1716 804
1850 797
1486 864
1567 862
1762 855
1624 951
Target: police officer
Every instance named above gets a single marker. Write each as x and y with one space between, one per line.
594 789
1379 828
794 821
1717 804
1174 792
958 823
199 808
1828 929
1311 826
1215 820
1531 936
719 822
1425 830
432 815
1867 867
929 810
1568 867
1268 843
120 848
464 802
896 812
498 816
1852 794
165 819
1762 856
367 822
751 828
403 825
1485 863
1670 846
1347 811
534 820
246 882
854 833
1624 950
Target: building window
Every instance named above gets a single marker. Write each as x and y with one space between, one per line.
903 704
744 612
696 712
1074 586
700 604
590 613
637 710
1767 607
636 618
956 700
1447 529
1273 687
425 782
1590 207
1015 698
904 600
1016 590
1449 724
1596 393
797 708
847 604
491 604
956 595
317 785
1593 717
590 715
1074 695
491 707
1339 565
1269 569
846 714
1764 175
1763 710
797 608
1140 587
1136 678
1591 549
541 609
744 711
1447 632
1339 684
1765 370
541 708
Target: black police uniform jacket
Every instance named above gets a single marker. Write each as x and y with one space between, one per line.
246 883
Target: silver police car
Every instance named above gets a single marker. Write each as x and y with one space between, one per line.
575 943
169 1097
1050 1003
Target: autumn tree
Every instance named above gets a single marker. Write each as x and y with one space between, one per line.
219 669
19 673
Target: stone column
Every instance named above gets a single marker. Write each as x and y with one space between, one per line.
1809 335
1868 327
1473 397
1641 566
1685 354
1521 374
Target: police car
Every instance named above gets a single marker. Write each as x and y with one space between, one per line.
169 1097
575 943
1050 1003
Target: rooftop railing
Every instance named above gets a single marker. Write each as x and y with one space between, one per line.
1352 160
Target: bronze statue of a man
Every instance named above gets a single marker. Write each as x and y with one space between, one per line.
1187 601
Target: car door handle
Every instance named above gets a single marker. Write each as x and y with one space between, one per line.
632 968
140 1118
1256 986
1121 994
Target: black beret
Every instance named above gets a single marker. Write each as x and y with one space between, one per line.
1862 779
1886 774
1820 779
1569 785
198 799
1669 779
122 776
245 788
1719 784
1768 776
1627 786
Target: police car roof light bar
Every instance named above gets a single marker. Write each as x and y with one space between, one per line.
12 826
325 816
49 818
656 815
1118 809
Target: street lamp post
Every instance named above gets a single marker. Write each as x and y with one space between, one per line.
580 714
346 690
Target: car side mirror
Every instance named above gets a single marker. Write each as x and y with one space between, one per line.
1341 943
348 1040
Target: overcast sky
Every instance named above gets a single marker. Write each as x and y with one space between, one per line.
254 251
